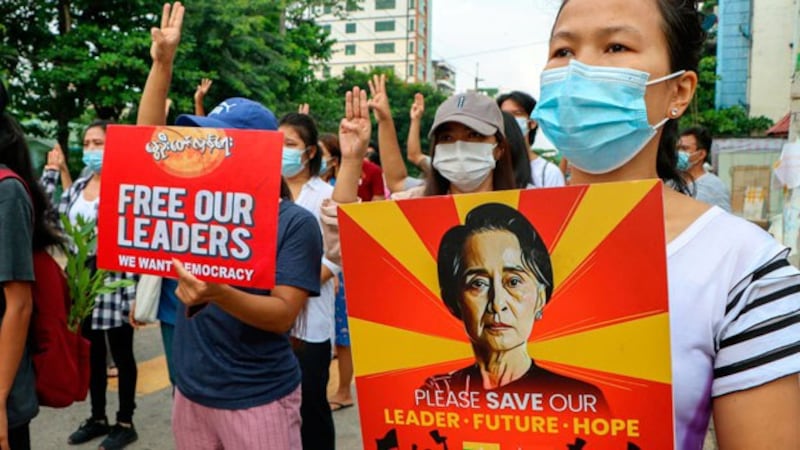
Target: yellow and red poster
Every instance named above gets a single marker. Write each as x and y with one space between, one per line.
208 197
511 320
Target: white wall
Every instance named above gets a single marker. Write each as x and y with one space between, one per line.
771 64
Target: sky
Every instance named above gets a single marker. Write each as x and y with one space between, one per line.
507 39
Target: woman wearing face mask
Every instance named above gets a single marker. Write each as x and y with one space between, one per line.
470 153
109 318
301 165
620 74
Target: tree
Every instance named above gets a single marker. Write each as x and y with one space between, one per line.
65 56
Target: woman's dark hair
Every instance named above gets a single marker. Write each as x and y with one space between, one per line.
304 125
519 152
286 193
490 217
331 143
15 155
503 174
682 27
98 123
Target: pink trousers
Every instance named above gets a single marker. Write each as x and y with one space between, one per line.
274 426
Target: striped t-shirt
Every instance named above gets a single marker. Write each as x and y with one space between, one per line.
734 310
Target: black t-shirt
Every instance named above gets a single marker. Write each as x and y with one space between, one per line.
16 264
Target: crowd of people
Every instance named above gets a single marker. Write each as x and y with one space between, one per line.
250 367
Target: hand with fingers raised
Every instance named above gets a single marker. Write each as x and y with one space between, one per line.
379 100
304 108
202 89
167 37
418 107
355 129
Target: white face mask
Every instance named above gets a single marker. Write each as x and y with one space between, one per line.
465 164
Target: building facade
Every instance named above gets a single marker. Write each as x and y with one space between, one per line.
386 34
755 56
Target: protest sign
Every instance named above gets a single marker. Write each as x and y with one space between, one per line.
208 197
533 319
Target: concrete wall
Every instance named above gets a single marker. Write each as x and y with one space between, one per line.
772 55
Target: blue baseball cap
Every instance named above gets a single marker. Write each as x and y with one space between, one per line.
234 112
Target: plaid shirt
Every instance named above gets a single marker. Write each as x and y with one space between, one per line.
110 310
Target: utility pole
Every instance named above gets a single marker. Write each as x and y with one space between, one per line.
477 80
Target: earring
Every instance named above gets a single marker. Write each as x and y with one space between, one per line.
674 112
539 315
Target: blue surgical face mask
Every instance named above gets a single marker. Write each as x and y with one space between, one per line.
323 166
596 116
683 163
292 162
93 159
522 122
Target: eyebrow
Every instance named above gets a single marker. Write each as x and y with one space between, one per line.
481 270
603 32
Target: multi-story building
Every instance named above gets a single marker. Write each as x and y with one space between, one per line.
444 76
387 34
755 56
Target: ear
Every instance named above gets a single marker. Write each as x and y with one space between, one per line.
541 298
311 152
532 124
498 151
683 92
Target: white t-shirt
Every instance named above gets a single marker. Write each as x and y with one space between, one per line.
82 207
317 324
734 306
546 174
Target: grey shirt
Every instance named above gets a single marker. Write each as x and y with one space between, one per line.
710 189
16 264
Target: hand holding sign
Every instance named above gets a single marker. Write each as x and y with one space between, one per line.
166 38
192 291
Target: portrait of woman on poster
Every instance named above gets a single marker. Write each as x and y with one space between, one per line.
496 277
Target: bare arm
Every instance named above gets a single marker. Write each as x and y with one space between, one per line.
414 144
14 332
765 417
394 168
152 109
275 313
354 133
58 162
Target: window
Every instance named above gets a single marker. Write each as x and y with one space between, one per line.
421 50
350 28
350 49
410 47
326 72
351 5
384 25
384 4
410 70
410 4
327 28
410 24
386 47
326 9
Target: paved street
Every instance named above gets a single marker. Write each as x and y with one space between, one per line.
152 419
50 429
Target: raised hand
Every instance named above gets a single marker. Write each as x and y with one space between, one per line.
355 129
202 88
304 108
55 159
379 101
418 107
166 38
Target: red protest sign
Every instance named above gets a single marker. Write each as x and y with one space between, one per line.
208 197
